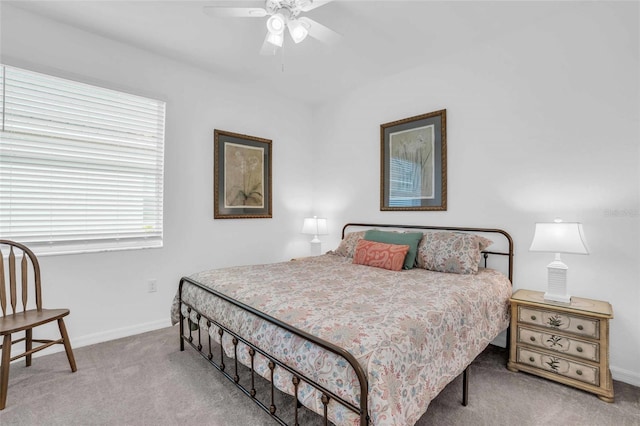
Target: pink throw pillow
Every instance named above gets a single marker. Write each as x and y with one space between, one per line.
380 255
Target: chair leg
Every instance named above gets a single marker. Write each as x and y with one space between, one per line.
4 370
28 344
67 345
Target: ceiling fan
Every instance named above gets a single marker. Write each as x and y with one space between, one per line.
283 14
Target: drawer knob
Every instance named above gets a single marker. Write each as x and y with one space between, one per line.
532 338
531 359
579 372
533 317
580 327
579 349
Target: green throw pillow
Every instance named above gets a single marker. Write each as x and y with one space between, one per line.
410 239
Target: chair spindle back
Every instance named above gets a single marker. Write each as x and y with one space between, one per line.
10 275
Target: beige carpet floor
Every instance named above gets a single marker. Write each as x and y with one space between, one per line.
146 380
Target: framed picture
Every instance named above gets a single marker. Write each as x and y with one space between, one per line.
241 176
413 163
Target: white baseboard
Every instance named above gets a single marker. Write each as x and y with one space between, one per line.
626 376
118 333
104 336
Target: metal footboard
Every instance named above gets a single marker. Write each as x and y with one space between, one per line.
203 345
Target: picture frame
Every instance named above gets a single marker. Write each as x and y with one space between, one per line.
241 176
413 163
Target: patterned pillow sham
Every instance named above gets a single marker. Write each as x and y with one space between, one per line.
454 252
380 255
347 247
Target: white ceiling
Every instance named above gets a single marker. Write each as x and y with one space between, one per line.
379 37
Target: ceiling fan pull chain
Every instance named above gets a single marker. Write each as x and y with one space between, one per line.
282 60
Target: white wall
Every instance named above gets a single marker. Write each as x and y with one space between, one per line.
542 123
107 292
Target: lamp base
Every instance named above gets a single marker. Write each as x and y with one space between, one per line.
557 282
316 248
557 298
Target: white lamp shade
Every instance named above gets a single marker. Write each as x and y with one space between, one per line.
276 23
315 226
275 39
559 237
297 31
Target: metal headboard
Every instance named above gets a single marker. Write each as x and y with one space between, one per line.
486 253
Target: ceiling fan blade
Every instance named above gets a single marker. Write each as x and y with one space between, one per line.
268 49
319 31
308 5
234 12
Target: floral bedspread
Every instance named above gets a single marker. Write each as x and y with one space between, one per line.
412 331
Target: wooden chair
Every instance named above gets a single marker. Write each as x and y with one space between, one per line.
16 320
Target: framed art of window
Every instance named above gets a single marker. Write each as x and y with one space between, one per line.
241 176
413 163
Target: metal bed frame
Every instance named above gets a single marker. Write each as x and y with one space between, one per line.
203 345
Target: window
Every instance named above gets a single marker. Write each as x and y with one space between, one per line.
81 167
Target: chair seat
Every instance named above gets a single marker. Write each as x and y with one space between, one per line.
28 319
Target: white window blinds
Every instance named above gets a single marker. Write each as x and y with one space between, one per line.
81 167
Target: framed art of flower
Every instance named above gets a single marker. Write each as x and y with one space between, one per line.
413 163
241 176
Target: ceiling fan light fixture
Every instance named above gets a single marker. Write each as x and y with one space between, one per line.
276 24
297 31
275 39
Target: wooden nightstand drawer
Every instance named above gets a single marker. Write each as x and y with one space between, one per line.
559 343
583 326
574 370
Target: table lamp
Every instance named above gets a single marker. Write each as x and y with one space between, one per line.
558 237
315 226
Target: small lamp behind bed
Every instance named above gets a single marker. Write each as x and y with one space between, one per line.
315 226
558 237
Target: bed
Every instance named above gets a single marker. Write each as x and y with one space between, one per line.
349 338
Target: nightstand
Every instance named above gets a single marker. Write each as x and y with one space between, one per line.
568 343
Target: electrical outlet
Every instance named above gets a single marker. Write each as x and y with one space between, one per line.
152 286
